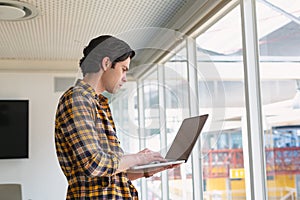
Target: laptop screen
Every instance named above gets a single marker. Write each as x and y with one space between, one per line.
186 138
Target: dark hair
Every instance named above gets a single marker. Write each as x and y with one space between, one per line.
104 46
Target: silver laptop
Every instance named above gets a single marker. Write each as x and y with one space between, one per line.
182 145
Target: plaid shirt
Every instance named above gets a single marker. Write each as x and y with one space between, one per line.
87 147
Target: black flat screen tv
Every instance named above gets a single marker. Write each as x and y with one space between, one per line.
14 120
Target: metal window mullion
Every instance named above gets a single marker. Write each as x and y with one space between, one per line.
194 110
163 127
142 142
253 147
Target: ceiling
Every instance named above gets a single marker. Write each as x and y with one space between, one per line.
55 38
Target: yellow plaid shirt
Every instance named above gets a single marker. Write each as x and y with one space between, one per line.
87 147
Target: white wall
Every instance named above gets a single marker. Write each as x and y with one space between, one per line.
40 175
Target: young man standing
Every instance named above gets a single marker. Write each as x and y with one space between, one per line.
87 146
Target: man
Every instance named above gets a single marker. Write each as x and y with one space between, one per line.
87 147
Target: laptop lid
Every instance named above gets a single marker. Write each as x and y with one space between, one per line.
186 138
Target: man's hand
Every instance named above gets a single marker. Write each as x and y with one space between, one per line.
151 172
143 157
147 156
135 174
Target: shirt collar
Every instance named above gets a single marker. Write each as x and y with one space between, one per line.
102 99
86 87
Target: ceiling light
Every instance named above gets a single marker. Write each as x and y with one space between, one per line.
11 10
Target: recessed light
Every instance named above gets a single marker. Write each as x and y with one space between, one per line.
11 10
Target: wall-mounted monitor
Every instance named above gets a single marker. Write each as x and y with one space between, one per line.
14 120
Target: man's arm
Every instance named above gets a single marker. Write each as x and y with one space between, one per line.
77 122
143 157
133 175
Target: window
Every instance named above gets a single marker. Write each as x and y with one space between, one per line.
221 94
177 108
151 137
279 41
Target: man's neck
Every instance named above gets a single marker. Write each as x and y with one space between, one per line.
94 80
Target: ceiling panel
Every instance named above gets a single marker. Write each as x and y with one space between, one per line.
64 27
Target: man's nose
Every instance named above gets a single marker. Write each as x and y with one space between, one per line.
124 79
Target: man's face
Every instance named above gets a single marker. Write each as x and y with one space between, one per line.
114 78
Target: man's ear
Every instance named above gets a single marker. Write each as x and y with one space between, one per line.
106 63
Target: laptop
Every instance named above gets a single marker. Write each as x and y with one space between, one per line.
182 145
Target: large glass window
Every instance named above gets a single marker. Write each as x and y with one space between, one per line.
151 137
177 108
279 44
221 95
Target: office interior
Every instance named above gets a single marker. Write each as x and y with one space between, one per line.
238 61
